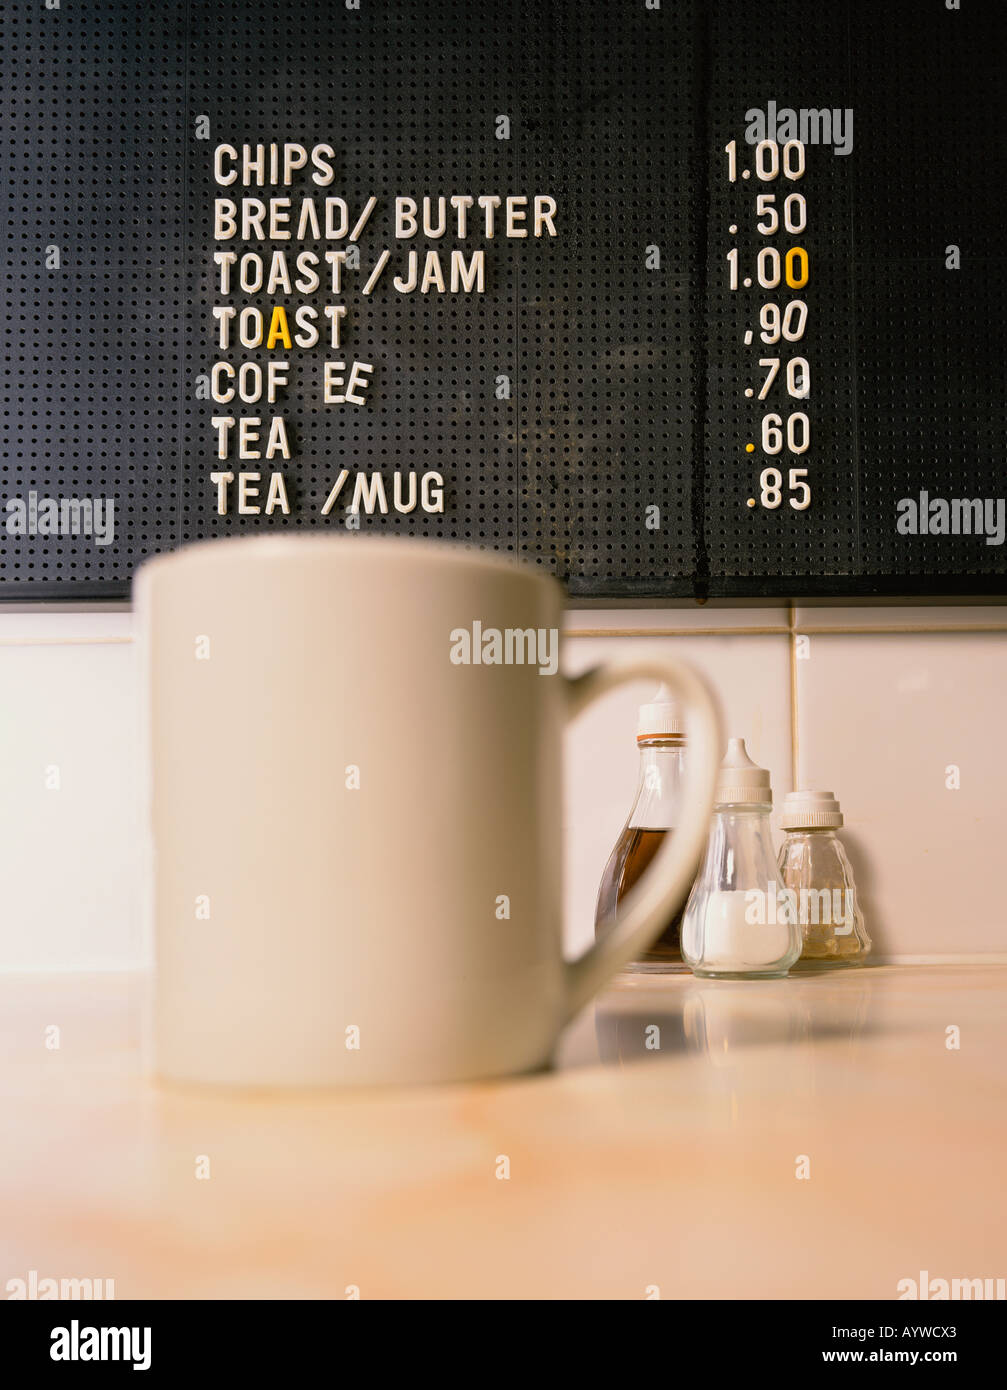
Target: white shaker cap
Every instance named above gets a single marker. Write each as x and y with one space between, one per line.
659 717
739 779
809 810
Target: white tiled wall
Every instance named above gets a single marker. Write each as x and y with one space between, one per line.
880 704
910 728
68 839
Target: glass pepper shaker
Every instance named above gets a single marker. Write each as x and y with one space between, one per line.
815 868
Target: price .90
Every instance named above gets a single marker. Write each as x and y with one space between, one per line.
788 322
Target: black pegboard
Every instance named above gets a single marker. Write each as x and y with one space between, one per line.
626 370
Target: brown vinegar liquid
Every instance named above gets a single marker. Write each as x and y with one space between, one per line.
628 862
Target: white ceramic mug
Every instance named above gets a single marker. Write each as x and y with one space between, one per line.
357 830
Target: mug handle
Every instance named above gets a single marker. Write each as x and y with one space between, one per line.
667 879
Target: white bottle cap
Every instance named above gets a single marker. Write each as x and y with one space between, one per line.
659 718
739 779
808 810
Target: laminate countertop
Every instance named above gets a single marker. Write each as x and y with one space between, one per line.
826 1136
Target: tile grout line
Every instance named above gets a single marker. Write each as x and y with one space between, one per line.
65 641
887 629
676 632
809 629
794 748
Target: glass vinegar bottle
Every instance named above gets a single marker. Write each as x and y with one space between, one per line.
655 813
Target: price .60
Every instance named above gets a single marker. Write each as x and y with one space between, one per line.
798 433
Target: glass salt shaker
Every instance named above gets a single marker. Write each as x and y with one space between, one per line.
816 870
739 922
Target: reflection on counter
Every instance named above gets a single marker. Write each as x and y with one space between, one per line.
726 1021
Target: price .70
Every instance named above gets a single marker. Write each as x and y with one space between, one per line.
771 489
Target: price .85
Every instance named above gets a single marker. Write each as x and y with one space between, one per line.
771 489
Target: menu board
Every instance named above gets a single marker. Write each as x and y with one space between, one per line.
687 299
